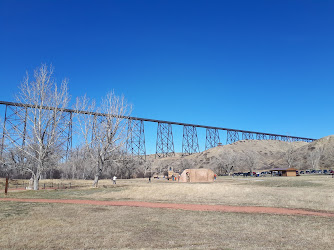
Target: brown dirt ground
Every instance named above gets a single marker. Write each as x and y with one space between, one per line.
192 207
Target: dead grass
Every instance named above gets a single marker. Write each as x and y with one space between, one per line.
59 226
310 192
305 192
67 226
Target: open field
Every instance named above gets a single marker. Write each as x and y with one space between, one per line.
312 192
50 226
43 226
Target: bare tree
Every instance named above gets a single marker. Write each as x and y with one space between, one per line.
159 166
144 166
104 135
225 162
77 166
185 164
251 159
315 156
42 136
289 154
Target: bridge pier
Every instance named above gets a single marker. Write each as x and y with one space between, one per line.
247 136
64 131
135 143
190 140
212 138
260 136
14 127
273 137
165 144
232 136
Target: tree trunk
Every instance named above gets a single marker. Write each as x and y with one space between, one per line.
36 181
96 180
99 172
73 172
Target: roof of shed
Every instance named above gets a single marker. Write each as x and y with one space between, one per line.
283 169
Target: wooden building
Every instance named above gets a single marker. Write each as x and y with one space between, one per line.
284 171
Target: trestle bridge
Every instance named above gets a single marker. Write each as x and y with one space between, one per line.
14 119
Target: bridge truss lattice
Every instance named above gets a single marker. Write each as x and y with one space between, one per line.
14 121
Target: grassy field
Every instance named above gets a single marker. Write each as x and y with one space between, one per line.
312 192
67 226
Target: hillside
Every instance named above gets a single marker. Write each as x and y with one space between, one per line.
322 152
246 155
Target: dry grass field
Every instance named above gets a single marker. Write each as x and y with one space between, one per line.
68 226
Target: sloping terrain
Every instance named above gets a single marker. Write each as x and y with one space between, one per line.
320 152
247 155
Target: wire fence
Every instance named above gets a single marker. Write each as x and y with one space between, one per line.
27 185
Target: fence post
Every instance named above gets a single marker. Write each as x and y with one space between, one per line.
70 184
44 185
6 186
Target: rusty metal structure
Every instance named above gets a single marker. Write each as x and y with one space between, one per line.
14 126
190 140
14 123
135 144
212 138
165 143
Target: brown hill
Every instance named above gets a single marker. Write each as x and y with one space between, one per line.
316 155
253 155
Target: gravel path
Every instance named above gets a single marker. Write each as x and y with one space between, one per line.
191 207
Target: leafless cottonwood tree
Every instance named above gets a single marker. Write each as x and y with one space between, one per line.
42 138
104 135
289 154
78 165
251 159
144 167
315 156
225 162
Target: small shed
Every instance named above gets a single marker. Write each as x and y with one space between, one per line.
285 171
197 175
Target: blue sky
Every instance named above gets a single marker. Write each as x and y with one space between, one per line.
255 65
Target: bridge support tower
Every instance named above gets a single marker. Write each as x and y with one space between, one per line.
232 136
212 138
165 144
190 140
135 144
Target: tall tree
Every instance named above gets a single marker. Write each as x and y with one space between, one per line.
225 162
44 120
104 135
251 159
315 156
290 159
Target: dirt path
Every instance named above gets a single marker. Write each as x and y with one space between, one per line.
192 207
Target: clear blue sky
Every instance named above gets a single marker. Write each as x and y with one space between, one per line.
255 65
